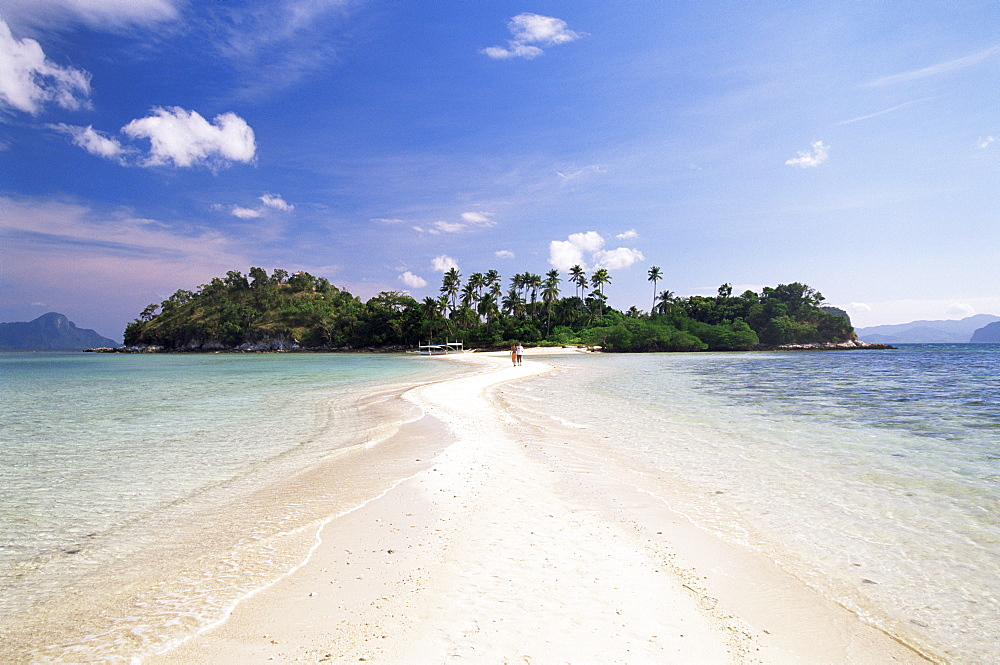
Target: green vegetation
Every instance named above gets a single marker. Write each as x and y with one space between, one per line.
281 311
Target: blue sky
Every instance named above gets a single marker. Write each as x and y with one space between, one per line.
150 145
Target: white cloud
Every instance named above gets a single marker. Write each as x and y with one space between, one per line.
807 159
882 112
270 201
184 138
940 68
504 254
482 218
449 227
615 259
985 143
246 213
515 51
85 255
29 80
275 201
536 29
100 14
564 254
961 311
566 178
530 32
412 281
94 142
628 235
468 220
443 263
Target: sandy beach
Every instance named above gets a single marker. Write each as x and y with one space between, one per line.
512 547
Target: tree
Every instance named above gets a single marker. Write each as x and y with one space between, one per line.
450 284
654 276
665 302
549 295
579 278
599 279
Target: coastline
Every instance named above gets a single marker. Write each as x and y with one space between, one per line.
510 546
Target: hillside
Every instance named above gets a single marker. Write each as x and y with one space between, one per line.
988 334
281 312
49 332
927 332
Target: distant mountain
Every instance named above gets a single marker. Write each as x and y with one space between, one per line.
50 332
988 334
927 332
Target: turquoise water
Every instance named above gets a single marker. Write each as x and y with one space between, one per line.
874 476
103 457
871 475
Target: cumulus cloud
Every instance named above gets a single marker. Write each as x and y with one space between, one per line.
504 254
412 281
530 32
628 235
29 81
94 142
443 263
985 142
578 247
810 158
184 138
615 259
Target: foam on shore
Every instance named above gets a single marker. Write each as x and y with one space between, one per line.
513 546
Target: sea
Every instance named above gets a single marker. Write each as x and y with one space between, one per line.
142 496
873 476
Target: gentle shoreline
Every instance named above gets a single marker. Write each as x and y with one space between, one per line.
510 547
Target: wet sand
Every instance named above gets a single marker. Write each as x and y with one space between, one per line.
511 547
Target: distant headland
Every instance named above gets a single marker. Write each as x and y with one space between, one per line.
49 332
290 312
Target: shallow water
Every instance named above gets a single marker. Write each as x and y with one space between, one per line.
120 472
872 476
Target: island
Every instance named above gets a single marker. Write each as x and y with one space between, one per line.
287 312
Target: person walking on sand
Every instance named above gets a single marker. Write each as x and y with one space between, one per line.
513 355
518 353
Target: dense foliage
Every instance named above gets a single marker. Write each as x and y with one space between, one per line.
281 310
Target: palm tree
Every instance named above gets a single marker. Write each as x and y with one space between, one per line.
512 302
431 310
578 277
549 295
477 281
599 279
450 284
488 308
655 276
469 296
666 302
534 283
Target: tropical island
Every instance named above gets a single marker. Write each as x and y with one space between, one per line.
282 311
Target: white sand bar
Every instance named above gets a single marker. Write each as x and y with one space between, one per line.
514 549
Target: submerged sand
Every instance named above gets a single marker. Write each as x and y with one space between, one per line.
511 547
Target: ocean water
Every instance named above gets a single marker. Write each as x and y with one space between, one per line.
874 476
118 472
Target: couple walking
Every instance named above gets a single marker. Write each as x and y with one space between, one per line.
516 351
